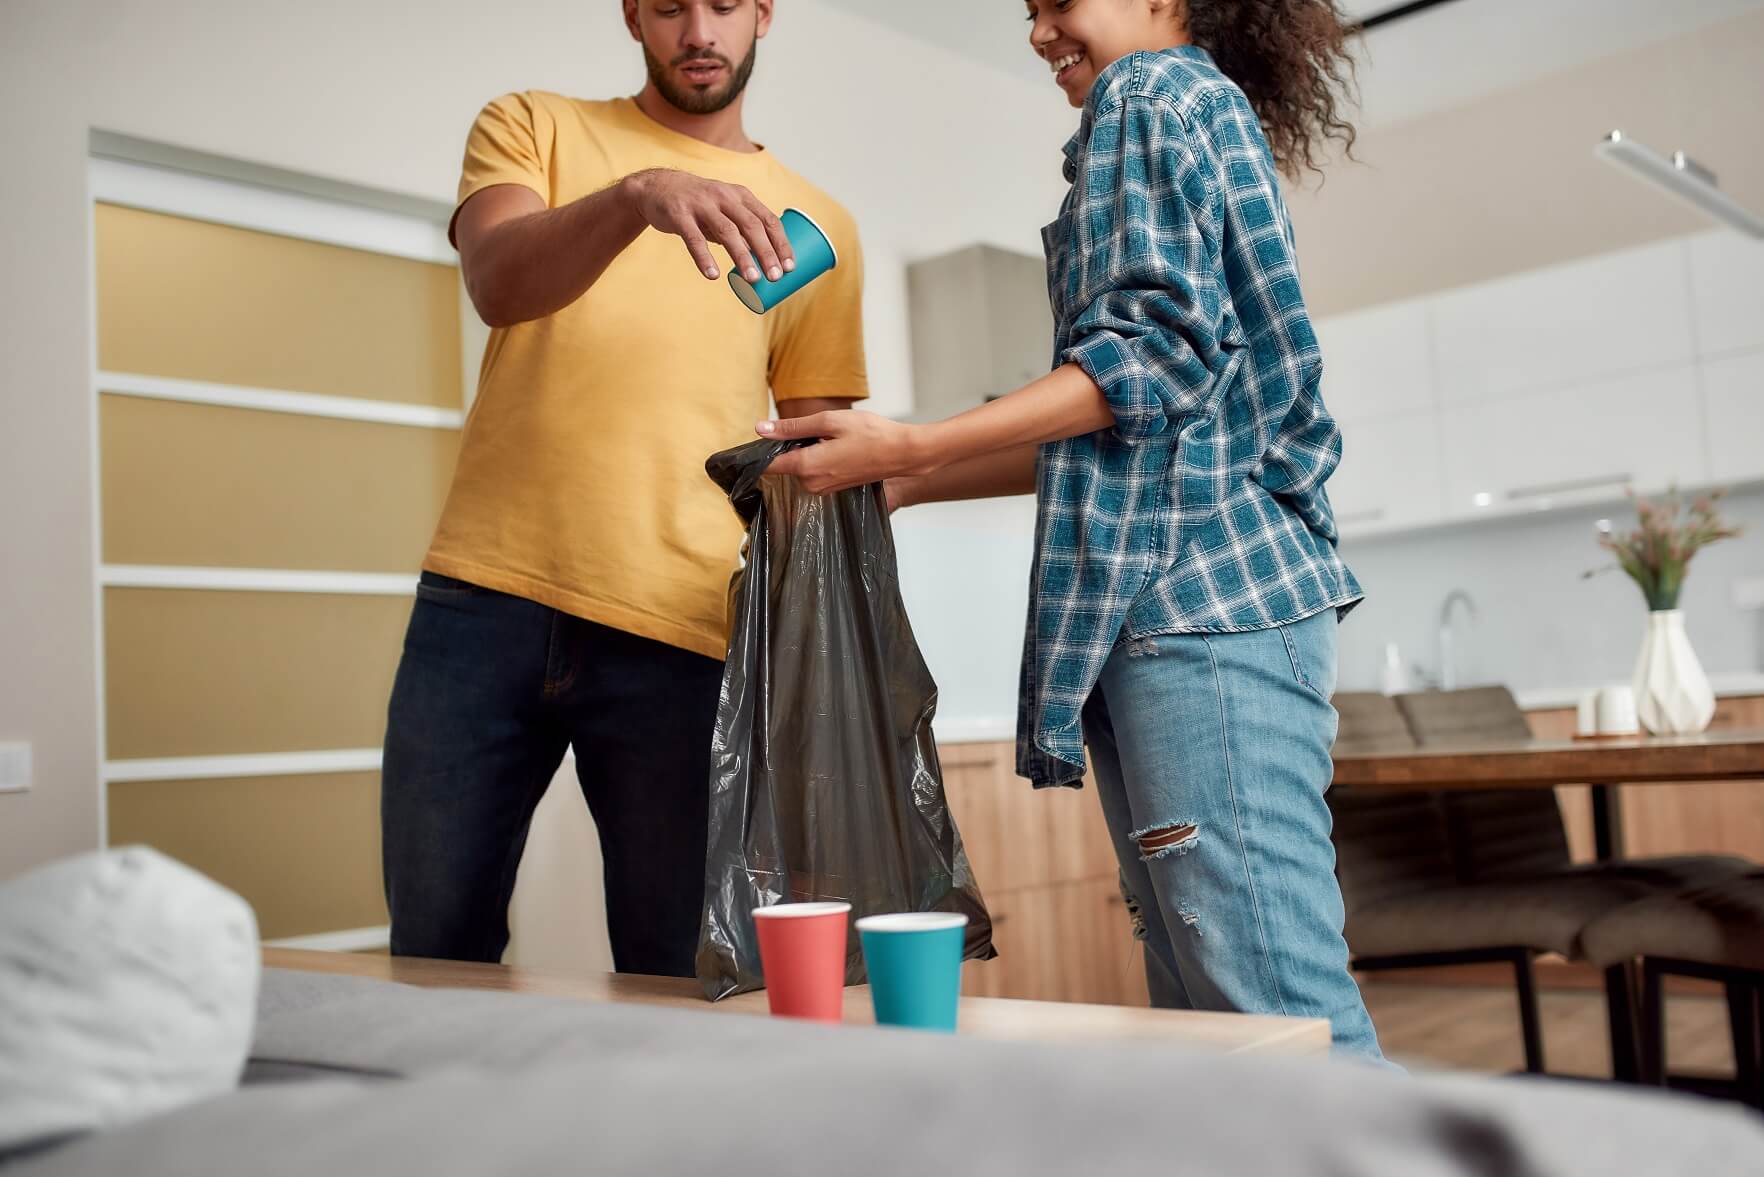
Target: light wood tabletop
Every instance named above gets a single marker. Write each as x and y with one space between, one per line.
981 1017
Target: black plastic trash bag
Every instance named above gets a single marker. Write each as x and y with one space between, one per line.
824 777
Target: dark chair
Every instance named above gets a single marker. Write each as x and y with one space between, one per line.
1518 833
1502 834
1516 837
1715 932
1408 905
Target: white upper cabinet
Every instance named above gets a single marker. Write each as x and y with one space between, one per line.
1377 362
1565 325
1727 291
1733 390
1575 445
1389 477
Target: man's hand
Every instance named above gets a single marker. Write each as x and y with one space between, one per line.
699 211
856 448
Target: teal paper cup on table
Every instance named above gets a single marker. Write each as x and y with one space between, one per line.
815 255
915 964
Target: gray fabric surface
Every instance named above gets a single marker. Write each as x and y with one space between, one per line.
291 991
520 1085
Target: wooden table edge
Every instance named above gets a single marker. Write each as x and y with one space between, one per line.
1723 756
1272 1033
1305 1036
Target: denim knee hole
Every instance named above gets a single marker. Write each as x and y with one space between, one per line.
1156 842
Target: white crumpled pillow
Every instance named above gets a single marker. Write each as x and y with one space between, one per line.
128 987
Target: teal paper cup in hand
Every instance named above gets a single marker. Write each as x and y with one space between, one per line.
815 255
915 966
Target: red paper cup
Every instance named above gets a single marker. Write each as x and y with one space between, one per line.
802 952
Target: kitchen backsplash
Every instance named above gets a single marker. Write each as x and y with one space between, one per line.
1538 623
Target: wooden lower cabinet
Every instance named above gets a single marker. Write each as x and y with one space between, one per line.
1046 866
1018 836
1065 942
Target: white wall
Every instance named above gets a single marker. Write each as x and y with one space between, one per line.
929 151
964 574
1509 182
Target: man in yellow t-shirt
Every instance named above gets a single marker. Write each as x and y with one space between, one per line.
575 590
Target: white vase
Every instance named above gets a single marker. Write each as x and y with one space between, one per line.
1672 694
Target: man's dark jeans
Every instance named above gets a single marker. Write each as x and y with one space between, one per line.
490 692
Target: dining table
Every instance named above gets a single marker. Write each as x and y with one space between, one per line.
1604 764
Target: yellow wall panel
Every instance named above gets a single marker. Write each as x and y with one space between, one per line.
199 301
201 673
210 486
303 851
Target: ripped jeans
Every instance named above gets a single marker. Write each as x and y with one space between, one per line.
1211 755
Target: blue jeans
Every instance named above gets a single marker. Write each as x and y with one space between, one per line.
490 692
1211 755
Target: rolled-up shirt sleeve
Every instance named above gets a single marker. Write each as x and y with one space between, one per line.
1146 241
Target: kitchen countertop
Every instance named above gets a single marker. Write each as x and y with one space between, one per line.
1003 729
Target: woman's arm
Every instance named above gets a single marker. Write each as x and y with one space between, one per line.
1146 354
859 448
1007 472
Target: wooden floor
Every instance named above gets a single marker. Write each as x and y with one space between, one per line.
1476 1028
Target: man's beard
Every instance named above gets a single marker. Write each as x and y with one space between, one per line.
689 99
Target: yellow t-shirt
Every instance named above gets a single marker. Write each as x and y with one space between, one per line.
581 479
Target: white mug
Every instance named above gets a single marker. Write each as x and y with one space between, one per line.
1616 712
1586 714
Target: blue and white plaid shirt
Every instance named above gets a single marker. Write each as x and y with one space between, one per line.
1174 285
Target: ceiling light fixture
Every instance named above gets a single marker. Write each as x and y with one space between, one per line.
1398 12
1683 177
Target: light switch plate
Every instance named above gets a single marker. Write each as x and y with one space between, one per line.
1749 594
15 767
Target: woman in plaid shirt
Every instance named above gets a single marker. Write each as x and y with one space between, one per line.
1186 586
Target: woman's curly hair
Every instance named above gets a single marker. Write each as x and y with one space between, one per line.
1291 58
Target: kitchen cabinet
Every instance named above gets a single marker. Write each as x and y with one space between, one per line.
1733 397
1574 445
1377 363
1727 291
1065 942
1378 383
1563 326
1390 475
1046 868
1018 836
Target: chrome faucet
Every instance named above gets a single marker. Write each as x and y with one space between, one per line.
1448 655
